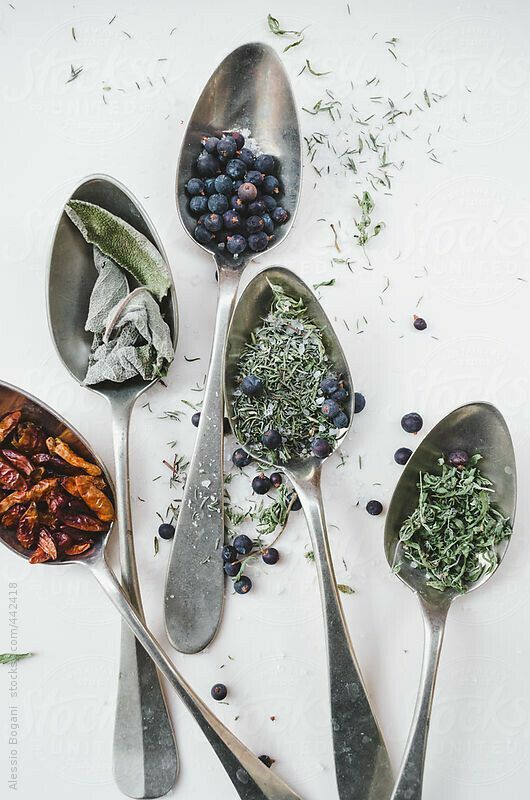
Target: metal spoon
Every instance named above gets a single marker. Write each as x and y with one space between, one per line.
361 760
475 428
145 754
251 778
249 89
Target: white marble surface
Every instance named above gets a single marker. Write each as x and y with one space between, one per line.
465 219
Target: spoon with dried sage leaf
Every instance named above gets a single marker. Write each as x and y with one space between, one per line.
447 530
113 318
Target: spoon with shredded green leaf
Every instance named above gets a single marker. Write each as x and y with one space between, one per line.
447 530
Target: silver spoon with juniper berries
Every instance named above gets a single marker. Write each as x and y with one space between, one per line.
145 754
252 780
475 428
249 90
362 764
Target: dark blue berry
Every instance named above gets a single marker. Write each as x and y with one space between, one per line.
374 507
270 185
280 215
218 203
209 186
328 386
229 553
267 760
166 531
243 585
236 168
195 186
238 138
231 220
258 242
458 458
412 423
271 439
402 455
213 222
330 408
254 224
203 235
247 157
236 244
243 544
261 484
341 420
210 144
276 479
219 691
247 192
297 505
257 207
265 163
270 202
240 458
223 185
419 323
268 224
199 205
208 165
359 402
270 555
252 386
232 569
255 177
195 419
237 203
226 148
321 448
341 395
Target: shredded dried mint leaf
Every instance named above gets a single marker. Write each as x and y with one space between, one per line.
288 355
454 532
126 246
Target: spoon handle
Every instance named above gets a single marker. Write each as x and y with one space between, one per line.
409 784
195 579
145 755
251 778
362 766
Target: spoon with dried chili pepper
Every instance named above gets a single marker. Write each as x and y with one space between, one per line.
447 530
21 414
145 756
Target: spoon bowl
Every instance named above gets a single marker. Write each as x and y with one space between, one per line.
362 766
145 757
252 780
250 89
475 428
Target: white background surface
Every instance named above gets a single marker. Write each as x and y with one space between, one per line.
465 219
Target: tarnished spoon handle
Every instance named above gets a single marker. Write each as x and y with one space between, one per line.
362 765
252 779
195 579
145 756
409 784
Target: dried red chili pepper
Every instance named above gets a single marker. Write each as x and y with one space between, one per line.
29 438
10 518
59 448
8 423
10 478
26 529
55 464
83 522
36 492
78 548
88 489
47 543
39 556
19 461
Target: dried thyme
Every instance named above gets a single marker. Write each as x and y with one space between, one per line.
454 531
287 353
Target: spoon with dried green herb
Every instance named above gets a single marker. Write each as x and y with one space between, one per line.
288 392
447 530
